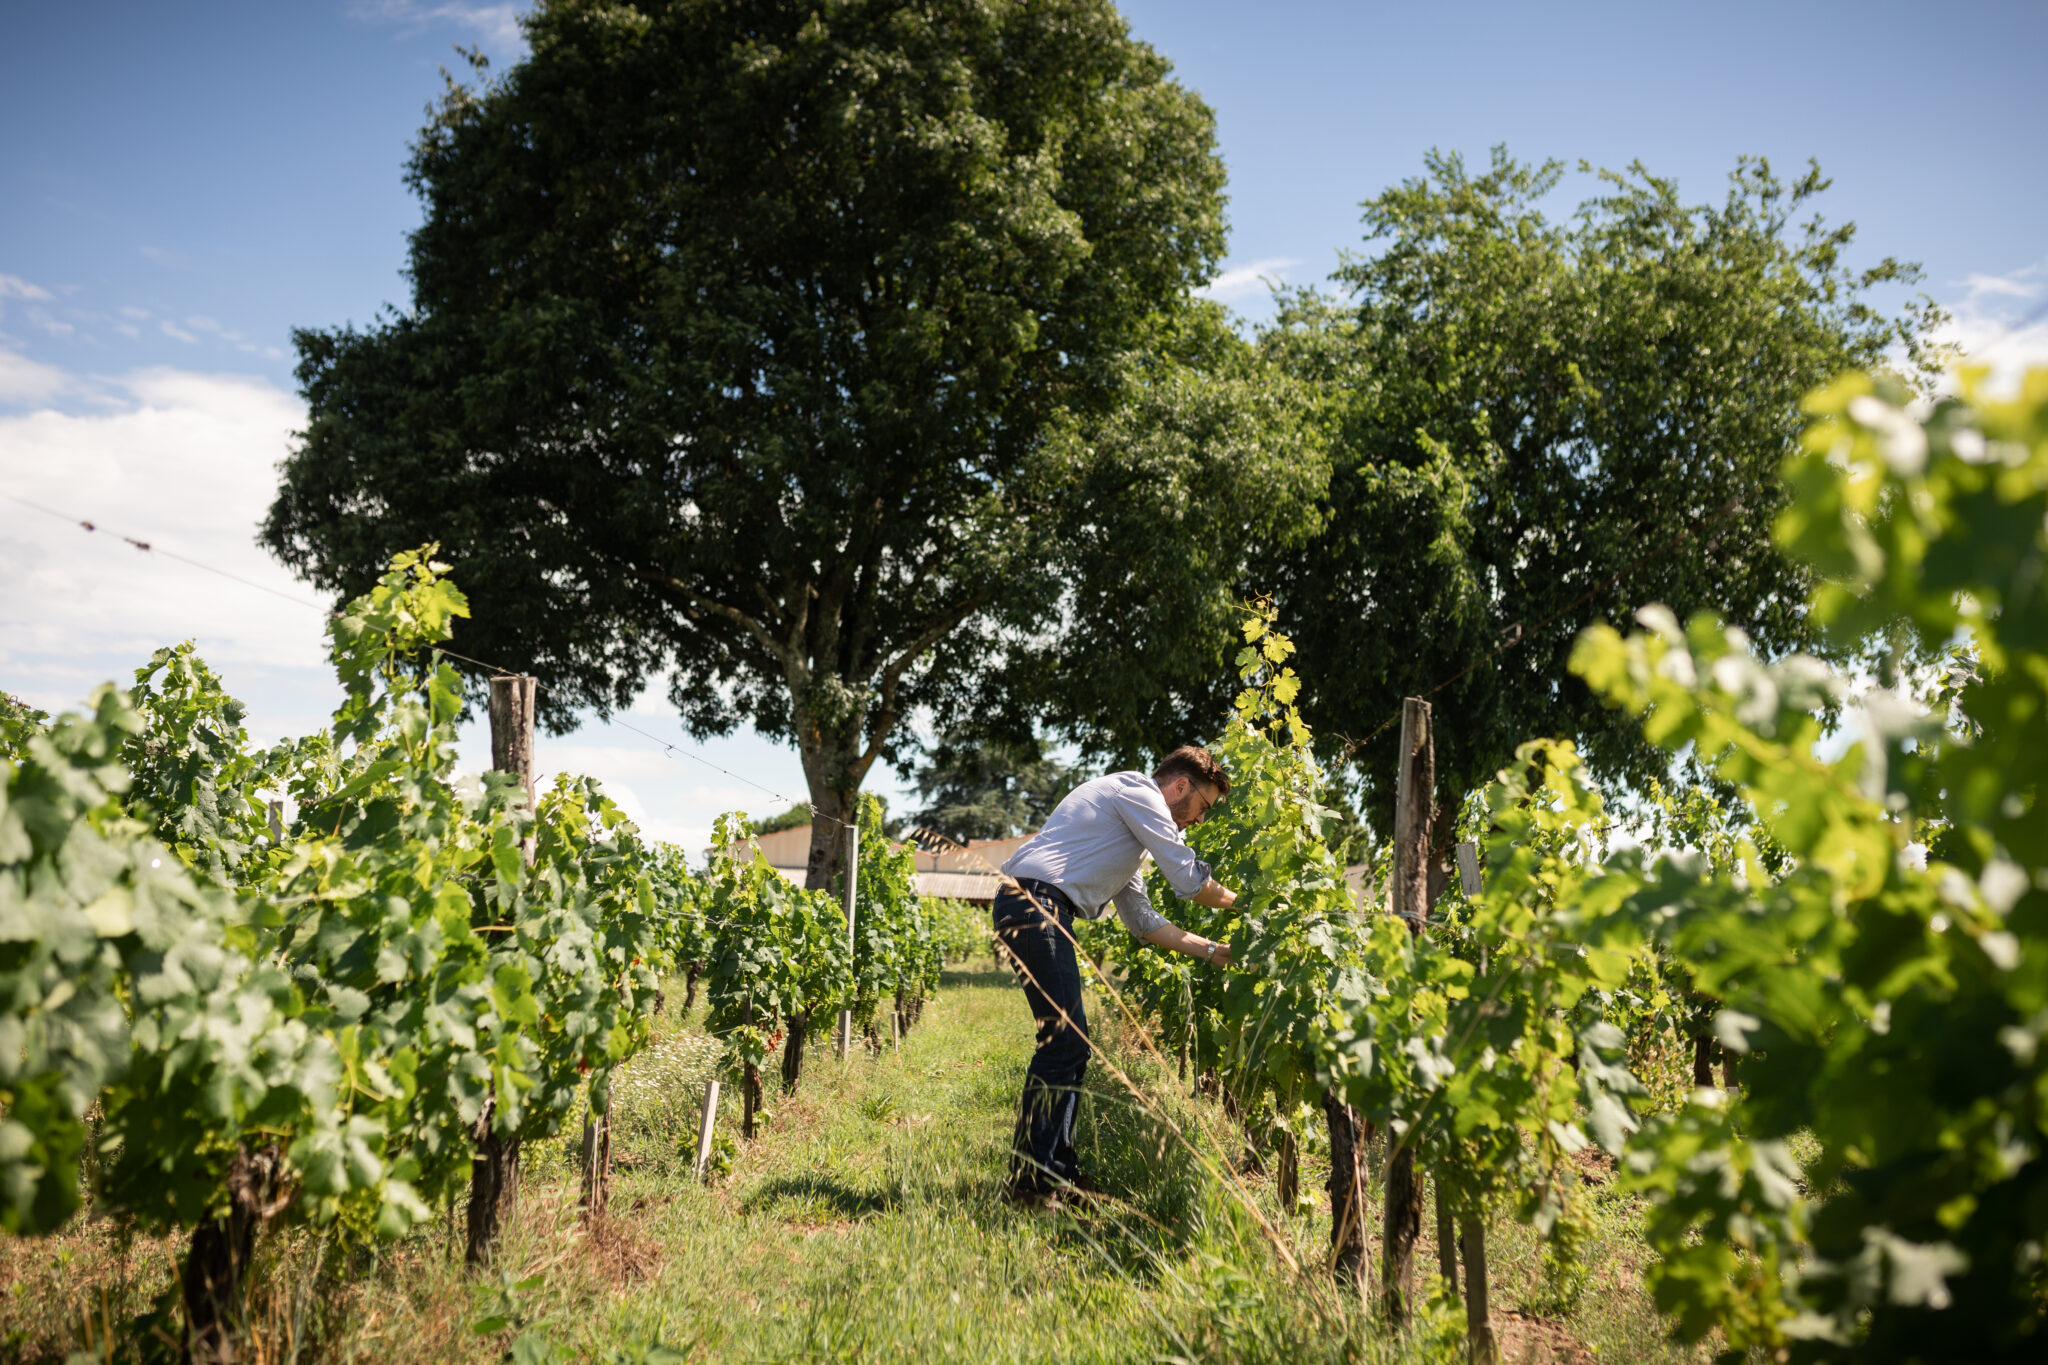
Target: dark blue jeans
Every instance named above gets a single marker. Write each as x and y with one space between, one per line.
1042 1153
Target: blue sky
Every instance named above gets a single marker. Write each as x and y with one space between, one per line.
180 186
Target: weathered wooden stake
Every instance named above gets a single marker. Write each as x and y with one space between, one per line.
750 1084
1468 868
597 1161
852 880
1479 1340
705 1124
494 1170
1446 1238
1401 1221
512 697
1412 806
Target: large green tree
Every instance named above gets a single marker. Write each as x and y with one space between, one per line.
787 347
1537 424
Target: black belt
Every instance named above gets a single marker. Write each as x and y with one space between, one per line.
1032 886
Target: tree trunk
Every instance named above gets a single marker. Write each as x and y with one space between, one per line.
690 988
493 1189
1703 1062
1446 1238
1478 1320
1347 1192
219 1255
833 770
1401 1226
793 1051
597 1162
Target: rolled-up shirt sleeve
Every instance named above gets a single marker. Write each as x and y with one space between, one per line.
1152 825
1134 908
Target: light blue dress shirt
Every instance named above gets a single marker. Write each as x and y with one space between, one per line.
1094 841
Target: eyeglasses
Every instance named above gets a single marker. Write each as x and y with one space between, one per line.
1207 806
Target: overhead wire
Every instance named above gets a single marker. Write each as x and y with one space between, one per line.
1514 636
670 748
153 548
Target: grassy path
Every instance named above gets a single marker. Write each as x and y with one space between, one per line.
862 1224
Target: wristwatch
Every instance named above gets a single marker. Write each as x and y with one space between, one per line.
1210 956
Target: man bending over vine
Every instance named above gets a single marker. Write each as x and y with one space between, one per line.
1085 860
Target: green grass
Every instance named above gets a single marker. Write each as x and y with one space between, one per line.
862 1224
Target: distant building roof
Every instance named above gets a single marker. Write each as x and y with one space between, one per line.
968 874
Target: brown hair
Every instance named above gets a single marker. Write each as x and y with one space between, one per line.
1199 764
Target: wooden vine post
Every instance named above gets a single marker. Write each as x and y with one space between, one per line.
750 1083
1481 1348
845 1040
494 1170
597 1160
1401 1221
1446 1239
705 1121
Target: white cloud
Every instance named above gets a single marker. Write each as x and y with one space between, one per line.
186 462
2013 286
175 332
54 326
15 287
1993 326
495 25
27 381
1252 280
138 314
